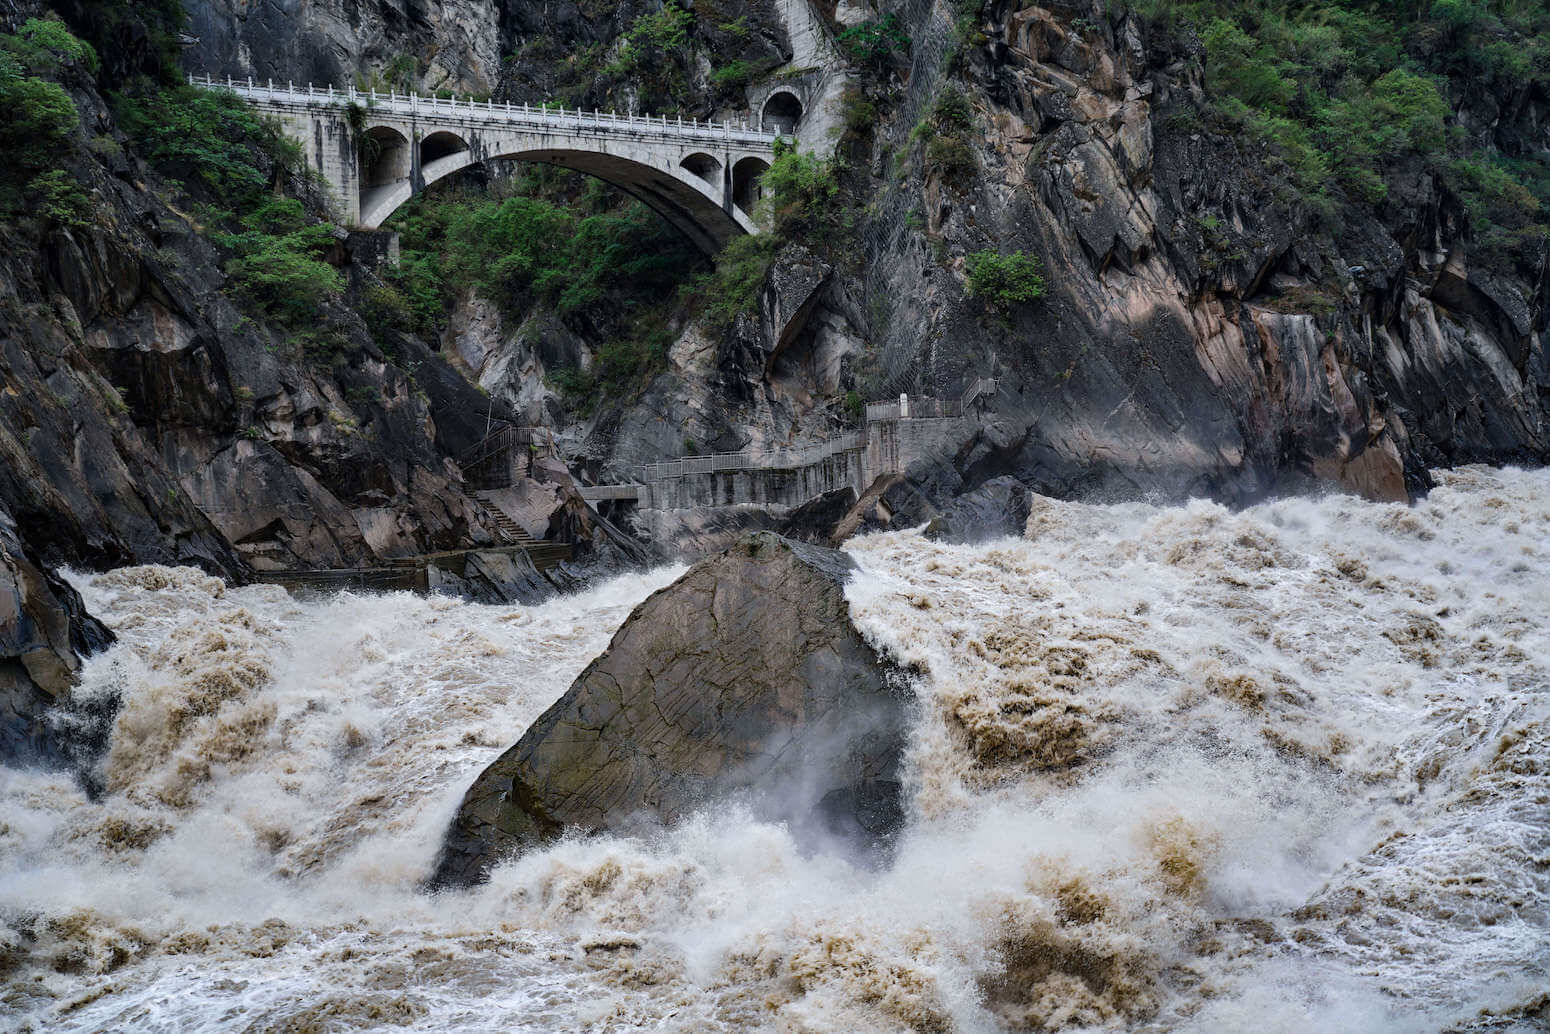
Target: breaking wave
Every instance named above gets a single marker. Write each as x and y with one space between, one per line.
1175 768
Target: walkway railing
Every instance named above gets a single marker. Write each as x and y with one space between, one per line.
775 459
918 407
493 462
487 112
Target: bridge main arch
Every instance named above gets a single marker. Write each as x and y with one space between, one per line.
695 192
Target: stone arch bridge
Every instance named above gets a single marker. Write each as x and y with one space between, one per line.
376 151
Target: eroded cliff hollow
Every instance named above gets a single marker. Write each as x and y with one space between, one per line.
743 679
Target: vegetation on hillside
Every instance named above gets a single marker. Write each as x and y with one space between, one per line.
802 201
241 175
40 123
551 242
1354 94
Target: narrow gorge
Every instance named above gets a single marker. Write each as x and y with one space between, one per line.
792 515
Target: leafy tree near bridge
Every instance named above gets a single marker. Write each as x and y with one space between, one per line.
875 43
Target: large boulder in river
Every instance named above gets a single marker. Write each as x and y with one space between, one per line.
743 679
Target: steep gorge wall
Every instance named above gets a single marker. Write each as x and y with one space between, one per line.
1204 331
1174 351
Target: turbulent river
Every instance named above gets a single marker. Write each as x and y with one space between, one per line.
1174 769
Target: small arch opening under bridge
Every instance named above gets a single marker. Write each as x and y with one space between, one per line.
438 145
704 166
746 175
385 156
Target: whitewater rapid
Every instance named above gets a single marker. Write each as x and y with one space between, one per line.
1175 768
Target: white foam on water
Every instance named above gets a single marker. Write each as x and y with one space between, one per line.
1174 769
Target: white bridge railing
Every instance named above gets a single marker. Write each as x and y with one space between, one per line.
416 105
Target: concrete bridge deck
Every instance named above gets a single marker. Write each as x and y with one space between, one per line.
376 150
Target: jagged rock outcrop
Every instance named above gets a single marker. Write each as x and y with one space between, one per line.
744 677
453 44
45 632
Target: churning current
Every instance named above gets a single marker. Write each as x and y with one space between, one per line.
1175 768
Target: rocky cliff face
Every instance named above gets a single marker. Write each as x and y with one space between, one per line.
1202 333
1205 332
743 678
146 416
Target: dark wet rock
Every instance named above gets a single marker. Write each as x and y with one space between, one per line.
744 678
995 509
491 576
816 521
45 632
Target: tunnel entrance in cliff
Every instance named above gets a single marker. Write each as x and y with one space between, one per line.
782 112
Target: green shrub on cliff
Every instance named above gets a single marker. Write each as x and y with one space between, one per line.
1002 281
800 191
40 118
735 285
39 124
45 46
234 165
558 244
211 140
277 264
875 43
